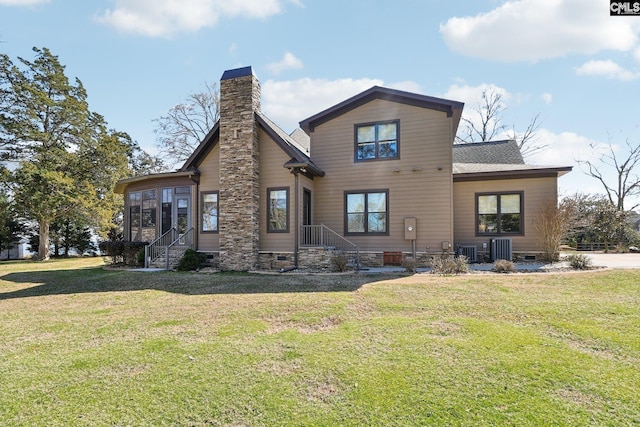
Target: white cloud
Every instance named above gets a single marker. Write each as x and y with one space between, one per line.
530 30
289 102
164 18
607 69
407 86
566 149
471 95
547 98
22 2
288 62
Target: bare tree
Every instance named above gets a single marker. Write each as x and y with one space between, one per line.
180 132
488 110
627 182
488 124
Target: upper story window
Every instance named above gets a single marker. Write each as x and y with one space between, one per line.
377 141
499 213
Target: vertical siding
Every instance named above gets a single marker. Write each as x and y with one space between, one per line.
537 192
419 183
274 174
209 181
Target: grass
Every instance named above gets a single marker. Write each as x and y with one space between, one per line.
85 346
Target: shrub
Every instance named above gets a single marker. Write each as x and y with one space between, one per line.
410 264
448 264
339 263
131 251
503 266
191 260
113 249
579 261
140 257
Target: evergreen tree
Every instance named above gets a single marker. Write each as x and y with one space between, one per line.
67 161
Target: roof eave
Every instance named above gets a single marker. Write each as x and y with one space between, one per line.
208 142
377 92
512 174
122 185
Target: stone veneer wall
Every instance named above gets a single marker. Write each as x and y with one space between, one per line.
239 171
276 261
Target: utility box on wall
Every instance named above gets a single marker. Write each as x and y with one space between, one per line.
410 231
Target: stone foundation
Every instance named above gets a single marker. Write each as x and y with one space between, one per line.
276 260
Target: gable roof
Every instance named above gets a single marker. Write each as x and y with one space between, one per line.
451 108
208 142
299 157
492 152
288 144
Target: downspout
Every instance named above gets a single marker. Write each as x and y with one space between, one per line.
296 236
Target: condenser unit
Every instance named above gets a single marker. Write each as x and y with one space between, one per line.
471 252
501 249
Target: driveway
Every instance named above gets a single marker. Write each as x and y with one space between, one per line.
630 260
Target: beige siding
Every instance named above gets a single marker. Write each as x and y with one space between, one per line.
537 192
209 181
273 174
419 183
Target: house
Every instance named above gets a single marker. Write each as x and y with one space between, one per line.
376 177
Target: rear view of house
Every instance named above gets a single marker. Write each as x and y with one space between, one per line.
376 178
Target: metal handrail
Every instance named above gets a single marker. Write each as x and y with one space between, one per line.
156 248
323 236
182 240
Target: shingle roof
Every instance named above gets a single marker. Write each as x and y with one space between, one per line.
298 153
492 152
484 171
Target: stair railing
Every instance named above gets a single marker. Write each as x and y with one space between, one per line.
184 240
323 236
158 247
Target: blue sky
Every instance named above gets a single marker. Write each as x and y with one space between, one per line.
566 60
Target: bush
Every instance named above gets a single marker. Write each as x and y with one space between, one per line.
131 251
410 264
339 263
503 266
191 260
140 257
579 261
448 264
113 249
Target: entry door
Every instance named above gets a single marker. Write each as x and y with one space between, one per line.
182 213
306 207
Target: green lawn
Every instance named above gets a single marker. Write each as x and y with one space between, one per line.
81 345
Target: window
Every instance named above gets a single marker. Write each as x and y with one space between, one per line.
210 211
499 213
167 199
135 199
367 212
377 141
278 209
149 208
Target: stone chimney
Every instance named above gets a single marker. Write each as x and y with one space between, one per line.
239 172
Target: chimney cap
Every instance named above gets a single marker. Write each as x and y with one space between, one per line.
237 72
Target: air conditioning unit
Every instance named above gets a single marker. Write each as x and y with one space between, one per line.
501 249
471 252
